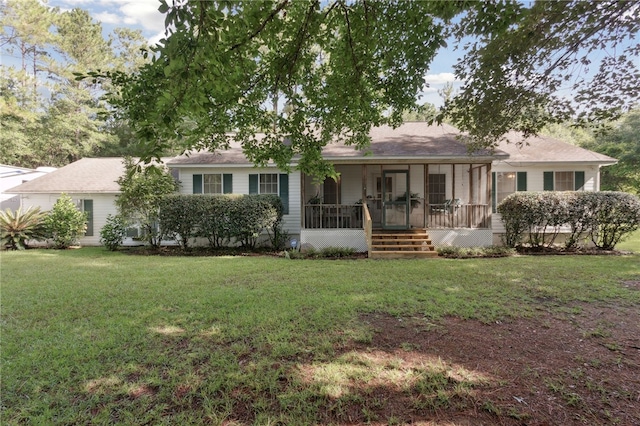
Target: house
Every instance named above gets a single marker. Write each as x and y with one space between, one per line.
10 177
414 188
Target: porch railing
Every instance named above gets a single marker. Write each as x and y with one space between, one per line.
437 216
333 216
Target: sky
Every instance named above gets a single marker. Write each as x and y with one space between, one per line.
144 15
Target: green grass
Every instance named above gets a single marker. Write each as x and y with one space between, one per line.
632 243
90 336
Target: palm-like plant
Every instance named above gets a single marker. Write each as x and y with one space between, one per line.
18 227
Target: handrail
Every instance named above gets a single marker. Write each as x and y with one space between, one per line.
368 226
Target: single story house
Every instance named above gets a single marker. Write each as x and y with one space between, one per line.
416 185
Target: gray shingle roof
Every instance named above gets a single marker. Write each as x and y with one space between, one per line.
545 149
414 140
88 175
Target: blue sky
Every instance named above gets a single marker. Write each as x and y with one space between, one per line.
144 15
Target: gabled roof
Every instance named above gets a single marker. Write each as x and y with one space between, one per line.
88 175
545 149
410 141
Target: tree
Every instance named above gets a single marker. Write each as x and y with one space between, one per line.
344 66
142 188
65 224
49 117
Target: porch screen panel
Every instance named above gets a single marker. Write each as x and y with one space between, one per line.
437 188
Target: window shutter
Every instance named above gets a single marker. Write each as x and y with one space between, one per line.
521 181
579 181
227 183
548 181
253 184
494 188
284 192
197 184
87 207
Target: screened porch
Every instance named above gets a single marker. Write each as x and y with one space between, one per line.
401 196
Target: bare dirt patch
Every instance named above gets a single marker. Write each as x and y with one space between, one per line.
577 367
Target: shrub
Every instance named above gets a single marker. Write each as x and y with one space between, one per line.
113 232
65 224
249 216
179 216
615 215
473 252
214 223
19 227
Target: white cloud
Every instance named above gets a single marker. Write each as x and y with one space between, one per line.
441 78
144 13
107 17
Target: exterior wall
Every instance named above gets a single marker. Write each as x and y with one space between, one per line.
535 181
103 205
291 222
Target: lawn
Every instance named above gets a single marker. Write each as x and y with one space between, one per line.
95 337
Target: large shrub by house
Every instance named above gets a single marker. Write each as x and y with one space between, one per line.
536 218
65 224
221 219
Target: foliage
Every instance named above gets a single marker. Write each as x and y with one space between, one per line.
113 232
65 224
615 216
221 218
330 252
180 216
48 117
19 227
341 67
522 60
142 188
606 217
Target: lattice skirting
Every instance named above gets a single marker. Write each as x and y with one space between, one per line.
322 238
461 237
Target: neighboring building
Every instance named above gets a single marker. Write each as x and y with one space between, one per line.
10 177
415 177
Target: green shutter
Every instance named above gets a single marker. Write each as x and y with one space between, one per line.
521 181
227 183
284 192
197 184
253 184
87 207
548 181
579 181
493 191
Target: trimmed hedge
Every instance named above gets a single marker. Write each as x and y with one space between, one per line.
221 219
604 217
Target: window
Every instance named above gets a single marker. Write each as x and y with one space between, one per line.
268 183
213 183
505 184
271 183
564 181
437 188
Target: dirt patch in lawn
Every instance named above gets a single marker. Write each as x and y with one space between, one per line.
577 367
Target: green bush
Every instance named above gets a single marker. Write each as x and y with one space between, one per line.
113 232
605 217
19 227
221 218
65 224
474 252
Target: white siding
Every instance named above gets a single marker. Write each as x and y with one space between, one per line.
535 181
103 205
240 185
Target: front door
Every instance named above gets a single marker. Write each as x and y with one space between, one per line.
396 199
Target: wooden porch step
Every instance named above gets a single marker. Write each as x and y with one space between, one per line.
393 244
